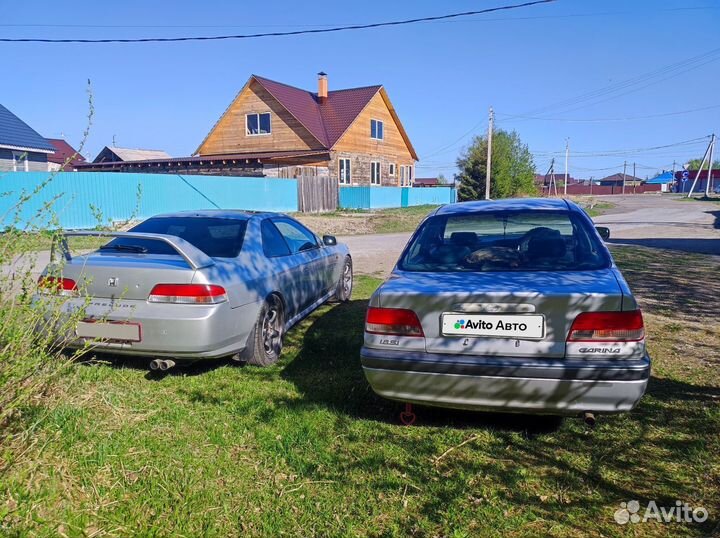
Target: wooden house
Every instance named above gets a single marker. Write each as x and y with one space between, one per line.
353 136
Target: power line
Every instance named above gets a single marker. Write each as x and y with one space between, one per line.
683 66
277 34
184 26
630 118
615 152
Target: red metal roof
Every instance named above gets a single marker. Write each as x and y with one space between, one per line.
328 120
63 152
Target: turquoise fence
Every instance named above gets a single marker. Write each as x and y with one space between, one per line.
385 197
78 198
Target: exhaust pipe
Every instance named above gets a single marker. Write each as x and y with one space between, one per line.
589 419
166 365
155 364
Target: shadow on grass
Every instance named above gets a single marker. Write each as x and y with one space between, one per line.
670 284
182 368
587 470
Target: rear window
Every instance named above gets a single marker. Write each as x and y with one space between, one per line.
505 241
216 237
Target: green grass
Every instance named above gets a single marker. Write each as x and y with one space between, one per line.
404 219
396 220
599 208
305 448
712 198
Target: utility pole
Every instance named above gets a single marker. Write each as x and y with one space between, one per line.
567 155
634 178
488 172
702 164
710 163
624 170
675 184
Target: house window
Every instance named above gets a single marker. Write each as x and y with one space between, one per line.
257 124
391 169
344 171
376 129
20 161
406 172
374 173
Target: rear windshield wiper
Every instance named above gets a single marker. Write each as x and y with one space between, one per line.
127 248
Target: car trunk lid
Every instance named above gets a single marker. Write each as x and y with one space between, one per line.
551 299
124 276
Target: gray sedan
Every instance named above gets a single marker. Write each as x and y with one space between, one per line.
196 285
511 305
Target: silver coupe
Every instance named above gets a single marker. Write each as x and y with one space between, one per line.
202 284
512 305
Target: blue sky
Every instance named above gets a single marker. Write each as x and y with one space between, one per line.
441 76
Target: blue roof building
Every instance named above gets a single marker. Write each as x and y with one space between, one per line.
22 149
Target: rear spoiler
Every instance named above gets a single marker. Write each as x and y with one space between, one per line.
195 257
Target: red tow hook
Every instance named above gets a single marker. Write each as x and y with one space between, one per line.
407 417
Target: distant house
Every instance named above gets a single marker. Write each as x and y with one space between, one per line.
615 180
118 155
22 149
65 158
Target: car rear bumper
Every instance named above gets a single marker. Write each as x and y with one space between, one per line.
168 330
565 387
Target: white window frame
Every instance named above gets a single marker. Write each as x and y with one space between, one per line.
391 169
406 175
348 169
382 123
375 173
258 114
20 156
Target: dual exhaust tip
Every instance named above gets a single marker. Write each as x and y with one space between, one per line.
161 364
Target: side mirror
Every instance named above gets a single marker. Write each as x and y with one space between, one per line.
330 241
604 232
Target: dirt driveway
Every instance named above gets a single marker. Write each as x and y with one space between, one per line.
664 222
642 220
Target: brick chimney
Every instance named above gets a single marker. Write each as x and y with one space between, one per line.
322 87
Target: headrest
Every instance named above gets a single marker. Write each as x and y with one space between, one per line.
467 239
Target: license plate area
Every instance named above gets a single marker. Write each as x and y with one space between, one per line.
109 331
517 326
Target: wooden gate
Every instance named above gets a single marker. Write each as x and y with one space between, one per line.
317 194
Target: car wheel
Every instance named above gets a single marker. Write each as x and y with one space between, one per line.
345 284
268 333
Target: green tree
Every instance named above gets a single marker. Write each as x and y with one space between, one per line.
441 179
513 170
694 164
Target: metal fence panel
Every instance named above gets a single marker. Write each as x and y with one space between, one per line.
79 198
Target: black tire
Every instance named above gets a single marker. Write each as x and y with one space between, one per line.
266 337
344 288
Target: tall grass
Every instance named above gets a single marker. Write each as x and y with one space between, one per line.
33 326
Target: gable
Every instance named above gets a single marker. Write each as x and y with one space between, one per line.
229 136
15 133
357 137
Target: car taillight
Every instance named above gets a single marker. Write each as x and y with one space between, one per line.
57 285
188 294
395 321
607 327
